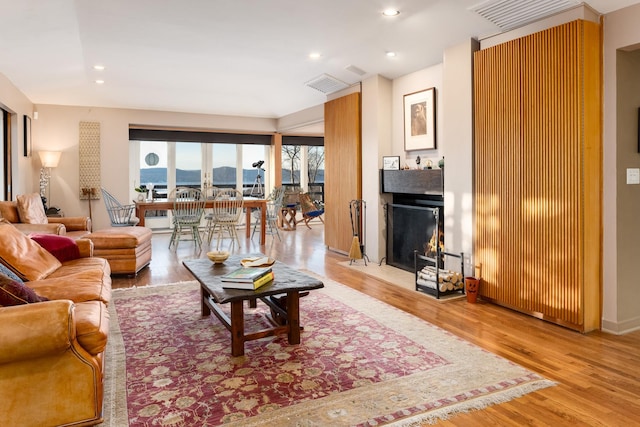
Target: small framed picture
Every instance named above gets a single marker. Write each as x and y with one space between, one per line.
420 120
391 163
27 136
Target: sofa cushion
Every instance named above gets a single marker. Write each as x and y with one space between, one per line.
62 247
13 292
23 256
31 209
9 211
85 286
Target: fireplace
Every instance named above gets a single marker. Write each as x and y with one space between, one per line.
414 219
413 224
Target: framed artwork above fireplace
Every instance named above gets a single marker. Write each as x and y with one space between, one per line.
420 120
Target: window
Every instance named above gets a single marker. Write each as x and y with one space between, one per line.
253 171
188 170
291 164
303 164
224 165
153 166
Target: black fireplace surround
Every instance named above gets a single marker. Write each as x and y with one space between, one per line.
414 219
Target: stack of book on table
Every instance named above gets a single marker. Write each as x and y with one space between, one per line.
247 278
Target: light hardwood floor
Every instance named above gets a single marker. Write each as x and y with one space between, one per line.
597 373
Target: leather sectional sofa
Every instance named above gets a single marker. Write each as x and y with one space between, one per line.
27 214
52 352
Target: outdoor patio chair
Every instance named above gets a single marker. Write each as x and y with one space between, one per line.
309 210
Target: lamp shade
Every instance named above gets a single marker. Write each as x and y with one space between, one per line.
50 159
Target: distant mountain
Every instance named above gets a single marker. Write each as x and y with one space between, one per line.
221 176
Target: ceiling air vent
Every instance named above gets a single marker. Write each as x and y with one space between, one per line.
509 14
326 84
355 70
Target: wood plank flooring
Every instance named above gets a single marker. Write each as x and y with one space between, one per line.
597 373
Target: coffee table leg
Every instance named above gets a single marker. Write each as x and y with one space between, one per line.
293 317
204 296
237 328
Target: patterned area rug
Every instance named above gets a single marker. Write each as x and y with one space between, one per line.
361 363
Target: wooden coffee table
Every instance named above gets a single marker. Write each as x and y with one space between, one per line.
288 282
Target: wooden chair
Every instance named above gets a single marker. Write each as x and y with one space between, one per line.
188 208
225 215
309 210
274 205
120 215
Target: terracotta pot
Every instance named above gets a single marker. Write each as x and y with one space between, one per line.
471 288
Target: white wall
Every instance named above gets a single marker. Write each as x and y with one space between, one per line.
376 142
621 312
457 150
57 128
414 82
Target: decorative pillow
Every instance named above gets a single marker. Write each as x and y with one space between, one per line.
62 247
7 272
31 209
27 259
15 293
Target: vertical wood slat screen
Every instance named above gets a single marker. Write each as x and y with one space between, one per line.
343 168
530 159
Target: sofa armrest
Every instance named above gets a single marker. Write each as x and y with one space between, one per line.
86 247
50 228
35 330
72 223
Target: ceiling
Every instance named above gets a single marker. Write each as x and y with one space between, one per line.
233 57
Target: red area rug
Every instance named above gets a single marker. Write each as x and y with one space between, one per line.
361 362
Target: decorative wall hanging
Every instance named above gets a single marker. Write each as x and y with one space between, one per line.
89 160
420 120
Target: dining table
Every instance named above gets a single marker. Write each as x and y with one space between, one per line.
249 203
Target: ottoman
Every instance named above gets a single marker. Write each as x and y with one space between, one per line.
127 249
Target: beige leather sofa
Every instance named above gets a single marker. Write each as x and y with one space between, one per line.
52 352
27 214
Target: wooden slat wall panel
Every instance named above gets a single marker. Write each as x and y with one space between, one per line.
343 168
497 165
530 175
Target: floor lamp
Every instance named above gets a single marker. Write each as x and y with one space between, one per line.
49 159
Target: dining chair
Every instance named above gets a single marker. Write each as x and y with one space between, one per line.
120 215
188 208
274 206
225 214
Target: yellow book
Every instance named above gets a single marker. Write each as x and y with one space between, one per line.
260 281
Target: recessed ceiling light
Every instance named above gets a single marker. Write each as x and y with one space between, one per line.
314 55
391 12
391 54
99 82
98 67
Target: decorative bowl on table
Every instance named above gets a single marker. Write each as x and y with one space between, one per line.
218 257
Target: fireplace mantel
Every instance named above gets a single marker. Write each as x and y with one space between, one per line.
412 181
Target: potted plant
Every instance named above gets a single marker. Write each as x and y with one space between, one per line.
142 193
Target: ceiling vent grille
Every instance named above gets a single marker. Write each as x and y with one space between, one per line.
327 84
355 70
510 14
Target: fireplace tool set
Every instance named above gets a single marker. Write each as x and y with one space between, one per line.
357 212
